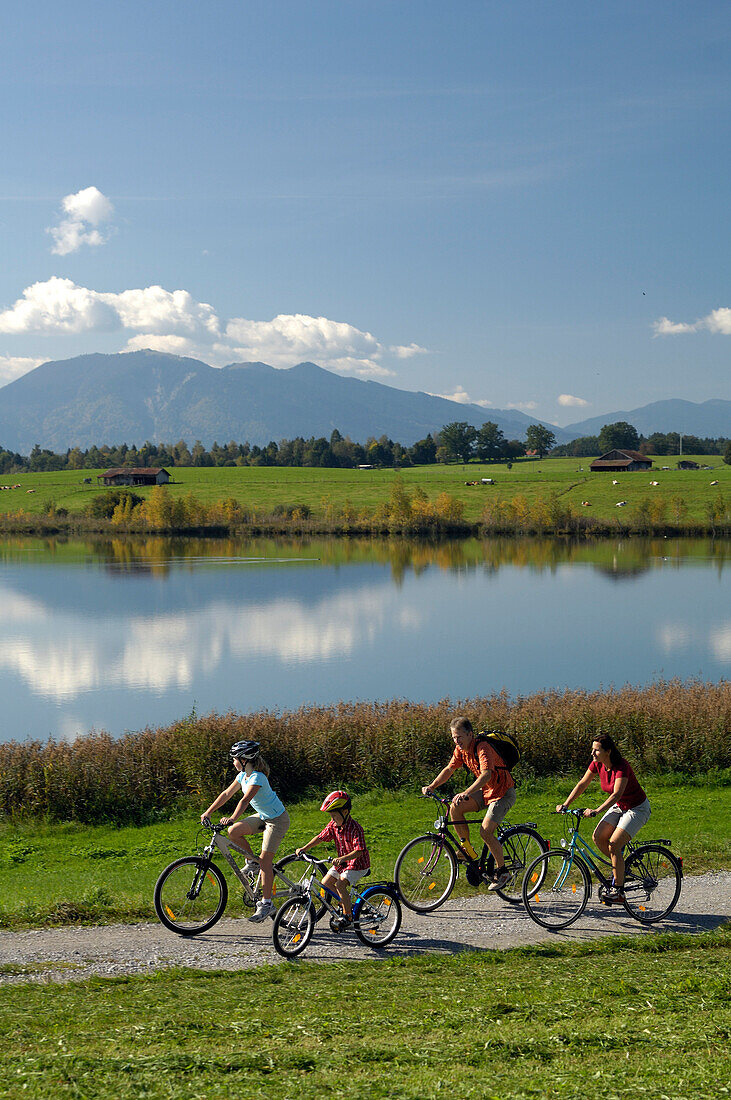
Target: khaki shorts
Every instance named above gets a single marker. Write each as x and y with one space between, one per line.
273 829
501 807
631 821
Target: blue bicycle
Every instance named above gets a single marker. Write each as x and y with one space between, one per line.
557 885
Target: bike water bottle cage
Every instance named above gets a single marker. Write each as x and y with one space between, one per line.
336 800
245 750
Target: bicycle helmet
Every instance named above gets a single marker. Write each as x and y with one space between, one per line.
244 750
336 800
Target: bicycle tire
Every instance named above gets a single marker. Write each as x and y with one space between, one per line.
564 891
652 883
293 927
521 846
283 894
377 917
425 873
176 909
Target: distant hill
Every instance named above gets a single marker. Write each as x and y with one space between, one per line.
709 419
144 395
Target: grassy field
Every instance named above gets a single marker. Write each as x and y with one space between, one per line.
65 873
569 479
600 1021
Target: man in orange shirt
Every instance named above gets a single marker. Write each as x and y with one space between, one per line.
492 789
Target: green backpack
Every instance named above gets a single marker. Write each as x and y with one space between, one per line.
504 744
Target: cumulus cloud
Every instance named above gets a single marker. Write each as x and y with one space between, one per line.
569 400
461 396
173 321
525 406
85 211
718 322
13 366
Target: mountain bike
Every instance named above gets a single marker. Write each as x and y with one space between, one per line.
376 912
557 885
426 869
191 894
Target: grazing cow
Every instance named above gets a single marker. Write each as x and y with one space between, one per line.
620 504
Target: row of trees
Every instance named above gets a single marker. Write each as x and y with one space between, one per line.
624 436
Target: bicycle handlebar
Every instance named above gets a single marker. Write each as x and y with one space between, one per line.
437 798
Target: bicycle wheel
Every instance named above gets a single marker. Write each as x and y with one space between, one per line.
563 892
297 870
377 917
521 846
652 881
425 873
190 895
293 927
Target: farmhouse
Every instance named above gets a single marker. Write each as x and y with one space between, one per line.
135 475
621 460
686 464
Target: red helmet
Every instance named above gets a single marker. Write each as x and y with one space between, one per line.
336 800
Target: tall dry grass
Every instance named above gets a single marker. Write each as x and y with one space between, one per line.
672 726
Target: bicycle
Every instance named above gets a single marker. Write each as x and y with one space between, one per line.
376 913
191 894
426 869
557 885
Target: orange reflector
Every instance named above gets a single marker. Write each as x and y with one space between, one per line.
432 885
534 877
210 877
297 938
170 913
642 908
420 859
536 898
573 887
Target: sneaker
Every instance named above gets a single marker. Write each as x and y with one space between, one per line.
612 895
341 923
500 879
251 867
263 910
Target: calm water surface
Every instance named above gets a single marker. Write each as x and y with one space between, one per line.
121 635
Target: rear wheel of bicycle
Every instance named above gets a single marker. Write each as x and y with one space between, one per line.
190 895
563 892
293 927
297 869
425 873
652 881
521 846
377 918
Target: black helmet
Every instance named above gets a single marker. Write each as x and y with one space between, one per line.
244 750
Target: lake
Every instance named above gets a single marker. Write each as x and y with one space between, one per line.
119 635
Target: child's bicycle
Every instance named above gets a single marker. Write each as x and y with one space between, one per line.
557 885
376 912
426 869
191 893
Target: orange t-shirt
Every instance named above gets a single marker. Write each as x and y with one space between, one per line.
486 758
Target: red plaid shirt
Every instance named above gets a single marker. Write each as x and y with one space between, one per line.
347 837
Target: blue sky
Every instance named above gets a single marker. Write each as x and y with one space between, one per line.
522 204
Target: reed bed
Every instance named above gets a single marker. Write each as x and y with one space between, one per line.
670 726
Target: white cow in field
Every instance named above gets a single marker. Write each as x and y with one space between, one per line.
615 482
714 483
654 483
620 504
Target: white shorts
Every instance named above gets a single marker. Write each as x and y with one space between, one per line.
631 821
352 875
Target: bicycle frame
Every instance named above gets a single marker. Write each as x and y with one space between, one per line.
444 826
224 845
581 850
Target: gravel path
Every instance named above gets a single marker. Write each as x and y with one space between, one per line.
481 921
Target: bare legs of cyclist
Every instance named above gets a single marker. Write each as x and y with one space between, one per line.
611 842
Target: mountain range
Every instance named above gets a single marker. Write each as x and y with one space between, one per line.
144 395
137 396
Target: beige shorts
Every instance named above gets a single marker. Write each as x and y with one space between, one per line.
630 821
274 830
501 807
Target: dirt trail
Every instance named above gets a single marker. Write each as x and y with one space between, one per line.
481 921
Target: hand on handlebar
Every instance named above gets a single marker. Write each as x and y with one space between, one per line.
590 813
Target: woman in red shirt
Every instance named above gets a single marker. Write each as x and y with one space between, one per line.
625 809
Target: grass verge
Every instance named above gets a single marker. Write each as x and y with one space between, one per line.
645 1017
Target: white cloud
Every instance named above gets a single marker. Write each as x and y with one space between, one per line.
461 396
85 211
718 322
13 366
523 405
570 400
173 321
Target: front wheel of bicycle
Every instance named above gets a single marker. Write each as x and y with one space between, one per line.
564 891
425 873
377 917
190 895
652 881
293 926
521 846
298 870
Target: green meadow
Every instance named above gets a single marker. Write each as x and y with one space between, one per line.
687 495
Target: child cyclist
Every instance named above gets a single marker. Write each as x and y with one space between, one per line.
352 861
270 817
